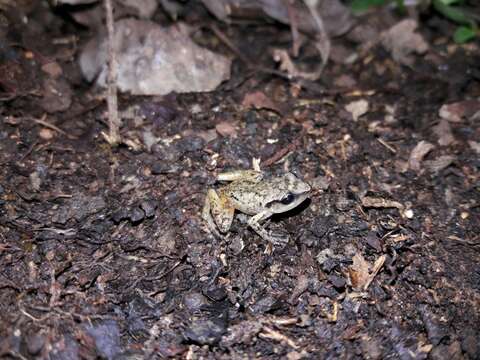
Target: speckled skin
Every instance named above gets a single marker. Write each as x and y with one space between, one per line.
251 193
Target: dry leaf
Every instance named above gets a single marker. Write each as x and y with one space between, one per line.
207 135
57 95
345 81
155 60
337 17
258 100
359 272
226 128
53 69
439 163
357 108
475 146
456 111
376 269
418 153
444 133
401 40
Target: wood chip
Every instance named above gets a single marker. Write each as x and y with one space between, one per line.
378 202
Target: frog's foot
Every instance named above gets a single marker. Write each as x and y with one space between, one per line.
273 237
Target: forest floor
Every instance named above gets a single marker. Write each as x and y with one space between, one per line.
103 251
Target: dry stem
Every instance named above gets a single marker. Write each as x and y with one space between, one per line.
113 138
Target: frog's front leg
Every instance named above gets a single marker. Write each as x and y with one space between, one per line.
250 175
217 211
254 223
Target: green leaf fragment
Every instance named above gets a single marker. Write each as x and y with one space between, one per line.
358 6
452 13
464 34
450 2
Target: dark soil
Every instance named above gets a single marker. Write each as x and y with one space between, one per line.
104 253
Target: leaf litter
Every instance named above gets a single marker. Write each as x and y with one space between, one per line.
103 252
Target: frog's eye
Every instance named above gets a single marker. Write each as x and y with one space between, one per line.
288 199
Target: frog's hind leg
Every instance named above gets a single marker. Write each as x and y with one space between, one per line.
207 214
254 223
218 210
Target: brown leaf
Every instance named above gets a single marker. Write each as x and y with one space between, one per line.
439 163
359 272
475 146
259 100
345 81
418 153
53 69
444 133
151 62
208 135
337 17
357 108
401 40
226 128
57 95
456 111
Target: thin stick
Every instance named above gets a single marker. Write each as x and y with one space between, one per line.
113 138
225 40
230 45
292 17
46 124
323 43
387 145
269 333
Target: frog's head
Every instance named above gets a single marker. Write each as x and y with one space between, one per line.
291 192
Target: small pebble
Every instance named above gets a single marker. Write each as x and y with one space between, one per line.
193 301
408 213
137 215
46 134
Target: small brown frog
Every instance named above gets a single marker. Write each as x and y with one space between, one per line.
252 193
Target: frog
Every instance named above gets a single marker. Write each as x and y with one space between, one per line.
255 194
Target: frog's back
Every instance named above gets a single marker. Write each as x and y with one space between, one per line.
247 196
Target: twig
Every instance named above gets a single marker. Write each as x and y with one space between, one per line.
269 333
323 43
283 151
29 151
218 33
292 17
376 268
113 138
44 122
250 64
387 145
